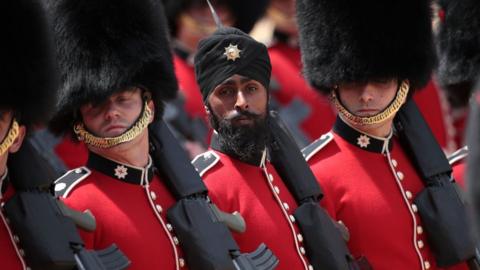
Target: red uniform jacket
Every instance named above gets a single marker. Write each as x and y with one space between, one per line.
370 184
291 86
11 254
129 205
73 154
263 200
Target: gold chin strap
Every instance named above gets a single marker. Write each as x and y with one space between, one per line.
390 111
10 138
130 134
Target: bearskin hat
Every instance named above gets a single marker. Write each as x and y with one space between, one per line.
348 41
245 12
107 46
458 45
27 70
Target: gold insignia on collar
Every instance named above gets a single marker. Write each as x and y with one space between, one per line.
232 52
363 141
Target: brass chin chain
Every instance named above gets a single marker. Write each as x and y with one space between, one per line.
10 138
130 134
390 111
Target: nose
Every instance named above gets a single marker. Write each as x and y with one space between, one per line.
241 102
111 111
366 94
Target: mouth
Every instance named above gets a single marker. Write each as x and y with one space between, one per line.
367 112
242 120
115 129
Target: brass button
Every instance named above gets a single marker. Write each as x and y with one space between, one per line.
276 189
16 239
419 229
270 177
409 194
286 206
181 262
159 208
414 208
153 195
292 218
302 250
427 264
420 244
394 163
175 240
22 252
400 175
300 237
169 227
310 267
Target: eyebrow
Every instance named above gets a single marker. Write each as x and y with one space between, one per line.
242 80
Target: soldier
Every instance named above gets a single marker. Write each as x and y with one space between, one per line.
370 57
29 83
233 72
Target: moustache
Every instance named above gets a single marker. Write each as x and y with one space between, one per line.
242 113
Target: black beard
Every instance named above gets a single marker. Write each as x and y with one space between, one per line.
245 143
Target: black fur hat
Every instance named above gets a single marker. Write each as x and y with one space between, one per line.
107 46
348 41
245 12
27 69
458 44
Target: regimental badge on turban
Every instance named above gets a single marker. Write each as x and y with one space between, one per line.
232 52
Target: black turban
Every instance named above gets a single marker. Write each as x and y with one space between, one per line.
213 66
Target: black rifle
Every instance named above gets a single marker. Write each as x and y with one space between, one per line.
206 240
45 226
440 206
324 244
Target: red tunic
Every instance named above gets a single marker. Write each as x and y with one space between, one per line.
264 202
73 154
372 191
10 253
129 212
293 86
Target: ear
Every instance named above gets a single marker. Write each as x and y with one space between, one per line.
151 106
207 110
22 131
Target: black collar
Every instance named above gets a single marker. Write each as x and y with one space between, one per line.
120 171
361 140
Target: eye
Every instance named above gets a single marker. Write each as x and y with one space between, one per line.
226 91
252 88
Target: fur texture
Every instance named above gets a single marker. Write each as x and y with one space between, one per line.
107 46
27 71
458 44
246 12
347 41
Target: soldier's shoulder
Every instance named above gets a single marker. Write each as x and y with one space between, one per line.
458 155
66 183
315 147
205 162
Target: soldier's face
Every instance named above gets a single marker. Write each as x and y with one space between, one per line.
239 100
368 99
115 115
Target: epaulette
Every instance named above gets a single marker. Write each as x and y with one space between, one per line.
458 155
309 151
205 162
65 184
